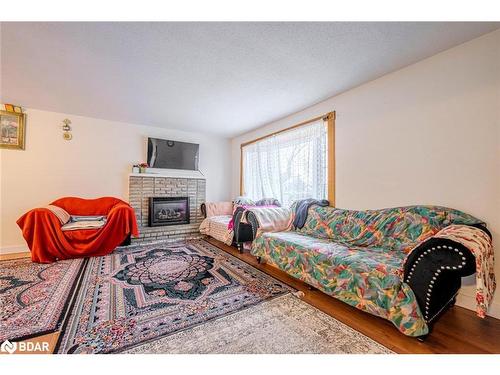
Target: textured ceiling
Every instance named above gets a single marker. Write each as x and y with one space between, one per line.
220 78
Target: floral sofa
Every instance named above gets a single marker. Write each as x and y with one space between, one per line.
389 262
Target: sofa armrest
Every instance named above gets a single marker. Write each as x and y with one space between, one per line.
254 223
118 207
242 231
433 270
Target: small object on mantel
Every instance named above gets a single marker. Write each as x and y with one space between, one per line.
142 167
67 129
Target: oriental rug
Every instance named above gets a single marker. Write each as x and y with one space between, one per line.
143 292
34 297
283 325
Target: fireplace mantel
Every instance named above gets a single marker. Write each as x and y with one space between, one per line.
172 173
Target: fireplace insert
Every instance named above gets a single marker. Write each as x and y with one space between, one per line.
168 211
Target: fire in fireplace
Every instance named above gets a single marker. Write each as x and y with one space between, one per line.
168 211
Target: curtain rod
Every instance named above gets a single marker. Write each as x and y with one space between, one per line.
324 117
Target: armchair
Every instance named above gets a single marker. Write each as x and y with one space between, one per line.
48 242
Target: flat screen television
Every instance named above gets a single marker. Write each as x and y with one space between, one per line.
163 153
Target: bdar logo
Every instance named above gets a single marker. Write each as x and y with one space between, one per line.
24 347
9 347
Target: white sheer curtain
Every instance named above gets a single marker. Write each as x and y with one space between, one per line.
288 166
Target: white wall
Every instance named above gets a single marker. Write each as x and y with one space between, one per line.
426 134
96 162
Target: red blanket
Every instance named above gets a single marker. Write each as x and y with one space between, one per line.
42 229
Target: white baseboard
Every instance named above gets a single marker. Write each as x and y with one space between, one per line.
14 249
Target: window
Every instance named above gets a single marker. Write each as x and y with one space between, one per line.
292 164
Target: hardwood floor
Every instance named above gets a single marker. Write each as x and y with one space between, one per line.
15 255
459 330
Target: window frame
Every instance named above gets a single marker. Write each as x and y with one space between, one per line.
329 119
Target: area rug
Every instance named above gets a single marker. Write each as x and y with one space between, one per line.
143 292
34 296
285 325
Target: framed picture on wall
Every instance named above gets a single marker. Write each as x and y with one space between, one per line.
12 130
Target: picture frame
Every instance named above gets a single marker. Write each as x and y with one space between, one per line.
12 130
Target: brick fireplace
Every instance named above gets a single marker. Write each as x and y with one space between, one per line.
172 221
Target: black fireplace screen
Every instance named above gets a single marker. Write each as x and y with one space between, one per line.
168 211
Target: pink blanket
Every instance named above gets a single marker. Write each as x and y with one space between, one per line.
219 208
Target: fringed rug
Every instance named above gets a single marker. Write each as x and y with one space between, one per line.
34 297
284 325
144 292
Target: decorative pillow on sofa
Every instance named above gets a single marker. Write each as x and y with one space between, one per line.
243 201
84 224
268 202
61 213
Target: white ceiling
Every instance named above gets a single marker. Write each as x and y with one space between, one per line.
221 78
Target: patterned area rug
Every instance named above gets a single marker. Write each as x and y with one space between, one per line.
284 325
143 292
34 297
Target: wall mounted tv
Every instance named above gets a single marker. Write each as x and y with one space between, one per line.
163 153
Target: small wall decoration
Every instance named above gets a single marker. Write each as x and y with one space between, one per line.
67 129
12 127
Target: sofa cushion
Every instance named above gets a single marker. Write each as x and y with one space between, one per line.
217 227
309 252
399 228
369 278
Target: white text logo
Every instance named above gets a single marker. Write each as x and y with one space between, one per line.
24 346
